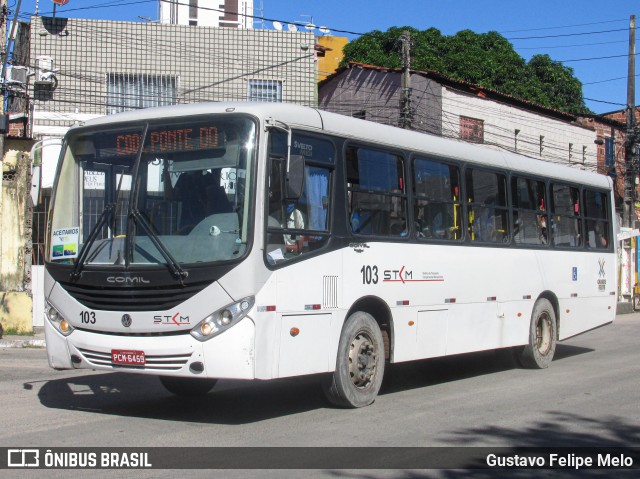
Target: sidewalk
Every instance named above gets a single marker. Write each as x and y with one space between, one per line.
35 340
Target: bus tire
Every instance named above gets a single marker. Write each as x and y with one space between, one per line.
538 353
359 363
187 386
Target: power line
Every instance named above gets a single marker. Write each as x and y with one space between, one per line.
566 26
594 58
608 102
572 46
606 81
92 7
569 34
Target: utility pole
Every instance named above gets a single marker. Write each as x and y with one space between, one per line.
4 14
630 166
628 220
405 95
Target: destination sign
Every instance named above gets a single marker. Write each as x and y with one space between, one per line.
164 141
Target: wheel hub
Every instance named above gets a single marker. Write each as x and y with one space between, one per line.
543 334
362 360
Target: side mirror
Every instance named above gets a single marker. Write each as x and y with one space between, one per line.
36 171
36 177
294 177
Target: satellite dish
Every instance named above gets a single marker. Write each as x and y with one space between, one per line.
310 26
277 25
292 27
325 30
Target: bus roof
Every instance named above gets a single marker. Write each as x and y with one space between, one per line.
367 131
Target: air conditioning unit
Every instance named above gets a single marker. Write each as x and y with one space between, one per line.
44 69
17 74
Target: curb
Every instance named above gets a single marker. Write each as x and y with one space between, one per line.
22 343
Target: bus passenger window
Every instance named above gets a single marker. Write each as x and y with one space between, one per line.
530 217
487 206
566 225
597 221
375 188
437 200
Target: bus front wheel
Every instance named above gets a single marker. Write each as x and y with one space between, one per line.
538 353
359 363
187 386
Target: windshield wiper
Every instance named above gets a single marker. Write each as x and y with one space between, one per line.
175 268
108 211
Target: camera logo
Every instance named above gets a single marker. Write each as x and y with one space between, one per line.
23 458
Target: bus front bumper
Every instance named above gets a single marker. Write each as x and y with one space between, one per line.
229 355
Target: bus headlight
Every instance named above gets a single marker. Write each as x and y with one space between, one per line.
222 319
58 322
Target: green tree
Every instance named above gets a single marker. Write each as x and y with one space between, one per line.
486 59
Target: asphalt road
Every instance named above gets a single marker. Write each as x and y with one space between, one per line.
590 396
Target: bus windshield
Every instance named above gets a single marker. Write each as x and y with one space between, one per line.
161 193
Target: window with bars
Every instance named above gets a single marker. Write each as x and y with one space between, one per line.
265 90
134 91
471 129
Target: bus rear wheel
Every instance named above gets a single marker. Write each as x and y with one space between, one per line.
187 386
538 353
359 363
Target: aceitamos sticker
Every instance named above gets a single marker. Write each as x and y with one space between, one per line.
64 243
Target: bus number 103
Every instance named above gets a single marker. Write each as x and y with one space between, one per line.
88 317
369 274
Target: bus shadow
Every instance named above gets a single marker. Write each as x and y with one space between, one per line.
430 372
239 402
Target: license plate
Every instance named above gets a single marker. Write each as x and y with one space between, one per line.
127 358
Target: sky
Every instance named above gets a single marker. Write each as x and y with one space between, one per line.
589 36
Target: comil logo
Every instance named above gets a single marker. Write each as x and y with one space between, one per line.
23 458
127 280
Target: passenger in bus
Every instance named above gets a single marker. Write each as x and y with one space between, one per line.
596 237
288 216
542 224
295 220
485 228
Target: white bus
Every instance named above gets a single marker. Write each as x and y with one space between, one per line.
261 240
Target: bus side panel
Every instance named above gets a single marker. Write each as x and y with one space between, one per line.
577 315
308 299
583 284
474 327
458 298
432 331
304 341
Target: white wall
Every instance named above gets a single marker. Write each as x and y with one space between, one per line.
206 16
501 121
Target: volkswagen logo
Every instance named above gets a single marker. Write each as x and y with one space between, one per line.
126 320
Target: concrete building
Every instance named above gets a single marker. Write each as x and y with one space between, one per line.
88 68
329 50
208 13
457 109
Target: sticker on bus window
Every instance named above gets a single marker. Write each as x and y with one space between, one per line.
64 243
